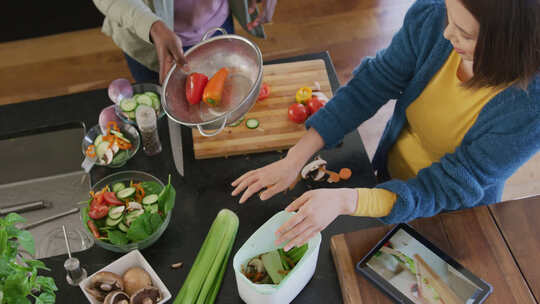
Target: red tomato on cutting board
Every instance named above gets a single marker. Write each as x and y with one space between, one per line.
298 113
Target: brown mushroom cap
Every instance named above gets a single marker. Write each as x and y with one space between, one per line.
148 295
103 283
116 297
136 279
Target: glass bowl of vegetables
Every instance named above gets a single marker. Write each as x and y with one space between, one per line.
111 145
128 210
147 94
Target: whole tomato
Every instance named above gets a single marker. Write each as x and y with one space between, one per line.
314 104
298 113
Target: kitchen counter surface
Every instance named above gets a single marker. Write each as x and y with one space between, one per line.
201 193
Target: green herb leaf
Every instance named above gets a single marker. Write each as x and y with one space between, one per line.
16 286
117 237
46 298
3 241
151 188
155 221
26 241
167 198
36 264
137 231
5 267
46 284
13 218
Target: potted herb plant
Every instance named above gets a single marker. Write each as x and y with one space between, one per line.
19 279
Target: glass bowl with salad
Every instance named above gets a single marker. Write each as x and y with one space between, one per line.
112 145
147 94
128 210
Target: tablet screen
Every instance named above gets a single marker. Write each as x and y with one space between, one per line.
406 267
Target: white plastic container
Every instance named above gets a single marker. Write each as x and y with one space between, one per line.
132 259
263 241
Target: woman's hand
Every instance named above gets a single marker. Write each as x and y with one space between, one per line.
316 210
276 177
279 175
168 48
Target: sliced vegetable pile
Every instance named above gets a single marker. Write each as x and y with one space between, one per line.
110 148
273 266
128 212
204 279
198 87
129 105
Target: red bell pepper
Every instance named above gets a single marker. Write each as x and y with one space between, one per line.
195 84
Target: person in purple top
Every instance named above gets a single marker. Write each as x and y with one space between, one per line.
154 34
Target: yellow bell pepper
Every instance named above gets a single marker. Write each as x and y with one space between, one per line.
303 95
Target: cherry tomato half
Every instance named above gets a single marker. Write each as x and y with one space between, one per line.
110 198
265 91
298 113
314 104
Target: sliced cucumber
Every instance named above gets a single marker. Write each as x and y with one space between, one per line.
125 193
156 104
98 140
238 122
112 222
151 94
119 134
102 148
150 199
123 227
151 208
130 115
120 157
128 105
116 212
118 186
252 123
144 100
130 217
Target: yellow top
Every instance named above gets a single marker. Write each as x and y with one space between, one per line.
437 122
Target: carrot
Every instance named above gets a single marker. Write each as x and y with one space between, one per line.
91 151
214 88
92 226
112 124
345 173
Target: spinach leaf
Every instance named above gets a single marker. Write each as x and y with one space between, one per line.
151 188
137 231
46 283
155 221
13 218
117 237
166 198
46 298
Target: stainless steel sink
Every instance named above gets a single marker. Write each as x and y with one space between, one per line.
44 165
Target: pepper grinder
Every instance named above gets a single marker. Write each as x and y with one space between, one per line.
75 273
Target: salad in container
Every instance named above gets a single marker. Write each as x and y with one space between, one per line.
128 210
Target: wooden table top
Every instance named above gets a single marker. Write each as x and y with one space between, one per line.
520 226
470 236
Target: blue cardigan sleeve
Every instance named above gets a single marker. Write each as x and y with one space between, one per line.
375 81
505 136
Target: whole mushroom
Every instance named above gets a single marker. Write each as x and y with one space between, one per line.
102 283
148 295
116 297
135 279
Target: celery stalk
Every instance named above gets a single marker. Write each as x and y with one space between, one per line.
272 264
223 228
215 288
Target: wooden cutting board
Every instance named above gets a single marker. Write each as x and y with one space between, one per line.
469 236
276 131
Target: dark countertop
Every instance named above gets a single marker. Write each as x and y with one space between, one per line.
203 191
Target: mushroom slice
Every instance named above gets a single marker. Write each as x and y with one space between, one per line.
135 279
148 295
102 283
116 297
257 264
134 206
107 157
315 170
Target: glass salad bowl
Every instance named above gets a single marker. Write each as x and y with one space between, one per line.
114 159
143 93
124 177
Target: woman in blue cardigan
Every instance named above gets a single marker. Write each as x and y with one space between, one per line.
465 74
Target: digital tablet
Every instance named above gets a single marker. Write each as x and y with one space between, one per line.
410 269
